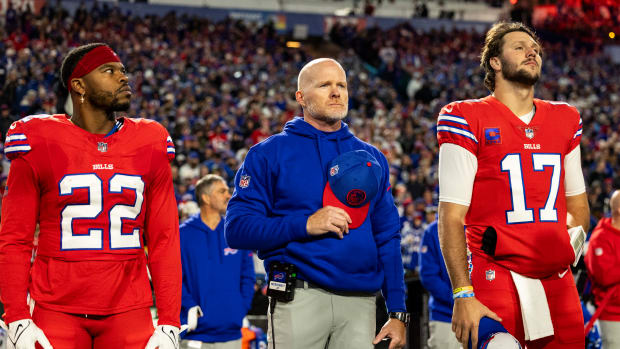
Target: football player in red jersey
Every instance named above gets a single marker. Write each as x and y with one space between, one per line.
100 190
510 170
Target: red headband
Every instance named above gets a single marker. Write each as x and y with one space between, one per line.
94 58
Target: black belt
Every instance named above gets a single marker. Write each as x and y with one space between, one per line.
307 284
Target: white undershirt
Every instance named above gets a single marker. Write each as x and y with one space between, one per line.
458 167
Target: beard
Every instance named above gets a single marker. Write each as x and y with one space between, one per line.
517 75
326 117
109 102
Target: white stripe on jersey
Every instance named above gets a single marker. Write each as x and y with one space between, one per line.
17 148
458 120
16 137
458 131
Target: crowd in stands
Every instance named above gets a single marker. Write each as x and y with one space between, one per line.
221 87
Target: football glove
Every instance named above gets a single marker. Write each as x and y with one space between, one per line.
23 334
192 317
164 337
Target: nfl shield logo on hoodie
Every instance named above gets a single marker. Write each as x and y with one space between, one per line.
244 181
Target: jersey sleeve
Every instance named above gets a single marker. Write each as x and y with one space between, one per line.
170 148
453 126
162 238
20 209
17 143
578 129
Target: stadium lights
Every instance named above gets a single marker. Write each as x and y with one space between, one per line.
293 44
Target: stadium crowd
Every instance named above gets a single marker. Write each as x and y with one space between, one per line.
221 87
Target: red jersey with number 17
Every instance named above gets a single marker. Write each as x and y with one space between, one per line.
518 211
98 201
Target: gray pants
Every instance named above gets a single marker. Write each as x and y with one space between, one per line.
610 334
317 319
191 344
441 336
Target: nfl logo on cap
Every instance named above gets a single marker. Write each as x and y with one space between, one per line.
353 181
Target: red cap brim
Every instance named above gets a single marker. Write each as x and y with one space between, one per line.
357 214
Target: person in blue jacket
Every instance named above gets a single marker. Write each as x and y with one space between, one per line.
283 206
435 279
218 281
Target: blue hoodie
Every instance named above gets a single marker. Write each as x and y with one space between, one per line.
434 276
280 184
217 278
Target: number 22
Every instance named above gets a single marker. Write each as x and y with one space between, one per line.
119 212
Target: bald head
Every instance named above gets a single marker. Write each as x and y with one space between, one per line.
308 73
614 204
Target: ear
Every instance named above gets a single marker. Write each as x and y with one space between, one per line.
205 199
78 86
495 63
299 96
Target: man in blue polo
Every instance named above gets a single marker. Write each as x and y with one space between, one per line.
218 281
297 202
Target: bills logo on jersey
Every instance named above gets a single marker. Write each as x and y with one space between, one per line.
102 147
490 275
279 276
333 171
229 250
244 181
492 135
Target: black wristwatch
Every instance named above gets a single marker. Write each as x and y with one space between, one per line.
404 317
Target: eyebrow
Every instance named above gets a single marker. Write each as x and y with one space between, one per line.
111 65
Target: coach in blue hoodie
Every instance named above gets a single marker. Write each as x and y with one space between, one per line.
218 281
342 259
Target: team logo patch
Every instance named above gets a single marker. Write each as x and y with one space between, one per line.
102 147
333 171
229 250
597 251
279 276
490 274
492 135
424 249
355 197
244 181
529 132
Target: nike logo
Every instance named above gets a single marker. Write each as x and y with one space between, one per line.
18 333
561 275
171 336
448 108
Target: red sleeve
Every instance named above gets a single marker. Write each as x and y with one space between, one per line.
162 237
600 258
20 209
454 127
578 129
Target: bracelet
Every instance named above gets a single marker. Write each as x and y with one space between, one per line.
464 288
463 294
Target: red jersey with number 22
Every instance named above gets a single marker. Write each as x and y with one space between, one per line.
519 186
97 201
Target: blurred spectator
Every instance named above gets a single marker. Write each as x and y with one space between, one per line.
218 281
603 263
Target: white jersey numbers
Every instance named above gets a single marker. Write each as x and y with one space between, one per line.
520 213
71 240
